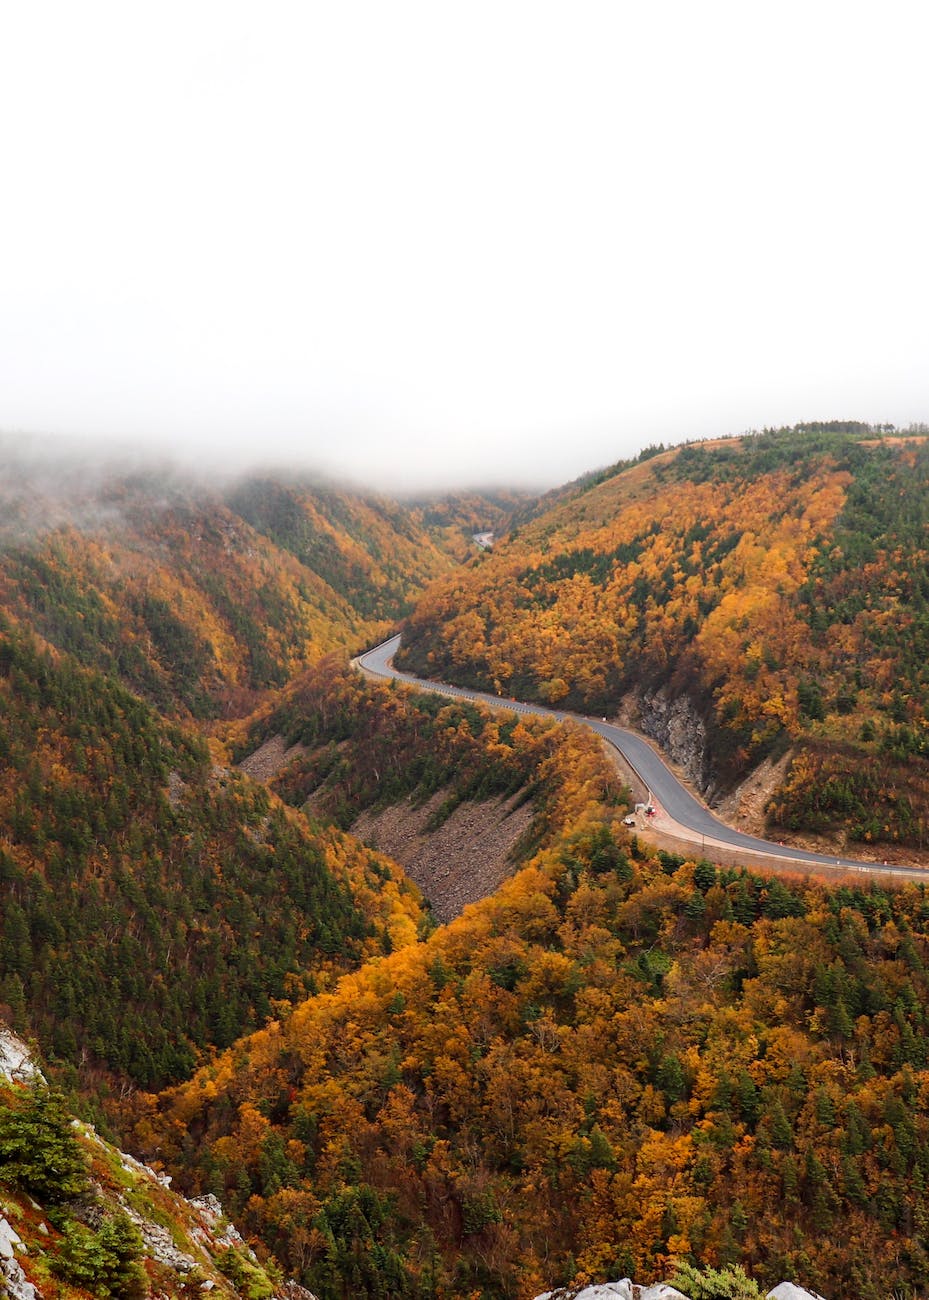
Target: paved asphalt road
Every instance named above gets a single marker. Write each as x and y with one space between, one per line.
679 804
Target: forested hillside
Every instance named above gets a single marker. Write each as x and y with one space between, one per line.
618 1059
80 1218
155 904
368 745
615 1060
201 599
777 581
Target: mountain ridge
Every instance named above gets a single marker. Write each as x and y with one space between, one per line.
776 582
620 1057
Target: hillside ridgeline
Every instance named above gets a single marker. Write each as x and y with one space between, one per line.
201 600
776 584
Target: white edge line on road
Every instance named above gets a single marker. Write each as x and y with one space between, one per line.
684 833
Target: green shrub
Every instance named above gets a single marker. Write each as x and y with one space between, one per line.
728 1283
38 1150
248 1278
105 1262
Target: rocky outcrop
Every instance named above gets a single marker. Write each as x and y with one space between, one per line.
9 1240
622 1290
291 1290
16 1063
186 1243
159 1244
17 1285
464 859
214 1220
626 1289
679 728
15 1282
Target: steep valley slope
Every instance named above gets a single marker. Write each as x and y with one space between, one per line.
458 796
156 903
614 1061
202 597
771 589
617 1059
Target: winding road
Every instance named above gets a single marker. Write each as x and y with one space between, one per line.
680 815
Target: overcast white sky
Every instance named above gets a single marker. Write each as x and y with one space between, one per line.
443 243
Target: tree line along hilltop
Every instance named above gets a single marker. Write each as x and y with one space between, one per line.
777 581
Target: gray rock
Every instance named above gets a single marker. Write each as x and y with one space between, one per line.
787 1291
209 1209
133 1166
18 1286
159 1243
16 1063
290 1290
680 730
10 1240
214 1220
625 1289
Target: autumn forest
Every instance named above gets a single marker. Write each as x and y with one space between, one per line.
619 1059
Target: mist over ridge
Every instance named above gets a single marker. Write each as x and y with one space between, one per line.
65 466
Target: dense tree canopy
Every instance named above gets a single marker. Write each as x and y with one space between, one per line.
614 1062
622 1062
154 903
779 581
201 601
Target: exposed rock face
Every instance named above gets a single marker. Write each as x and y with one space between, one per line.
18 1286
628 1290
265 762
15 1282
160 1244
16 1063
677 725
133 1166
465 859
622 1290
10 1240
214 1219
746 805
290 1290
